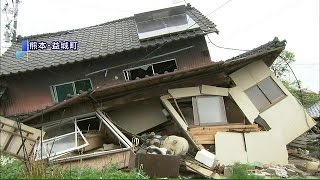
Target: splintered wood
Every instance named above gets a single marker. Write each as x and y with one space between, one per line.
206 135
18 141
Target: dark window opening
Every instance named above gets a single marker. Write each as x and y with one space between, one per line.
83 85
265 94
63 91
151 70
162 67
186 108
140 72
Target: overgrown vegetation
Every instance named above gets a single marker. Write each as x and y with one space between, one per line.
281 68
240 171
11 168
16 170
307 98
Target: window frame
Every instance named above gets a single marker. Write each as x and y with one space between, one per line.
196 115
52 156
53 89
126 74
271 102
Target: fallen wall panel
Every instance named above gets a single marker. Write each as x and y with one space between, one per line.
230 148
18 143
266 147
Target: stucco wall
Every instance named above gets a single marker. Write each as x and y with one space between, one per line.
286 116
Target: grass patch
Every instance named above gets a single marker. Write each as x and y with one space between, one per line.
110 172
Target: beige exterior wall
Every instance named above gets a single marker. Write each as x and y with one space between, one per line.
287 116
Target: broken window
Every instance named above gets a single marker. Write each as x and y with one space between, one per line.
209 110
82 85
166 66
264 94
62 92
58 145
150 69
91 134
139 72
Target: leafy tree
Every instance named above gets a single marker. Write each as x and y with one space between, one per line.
280 67
304 96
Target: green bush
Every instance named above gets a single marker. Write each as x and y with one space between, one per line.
240 171
13 169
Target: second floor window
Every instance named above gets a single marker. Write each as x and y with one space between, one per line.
63 91
150 69
265 94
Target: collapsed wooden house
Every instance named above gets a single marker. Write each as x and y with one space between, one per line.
134 75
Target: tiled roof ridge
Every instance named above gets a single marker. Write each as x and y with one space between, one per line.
58 33
275 43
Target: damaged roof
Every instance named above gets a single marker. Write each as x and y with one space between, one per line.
314 110
267 52
95 42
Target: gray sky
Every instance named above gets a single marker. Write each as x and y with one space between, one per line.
243 24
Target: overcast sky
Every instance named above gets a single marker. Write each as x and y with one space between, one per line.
243 24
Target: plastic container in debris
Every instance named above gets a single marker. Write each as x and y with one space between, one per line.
205 157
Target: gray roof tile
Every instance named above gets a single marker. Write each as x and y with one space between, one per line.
95 41
314 110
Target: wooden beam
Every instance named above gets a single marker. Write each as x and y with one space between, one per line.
213 90
209 129
178 93
206 135
173 112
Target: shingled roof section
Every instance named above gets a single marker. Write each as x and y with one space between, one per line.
94 42
314 110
